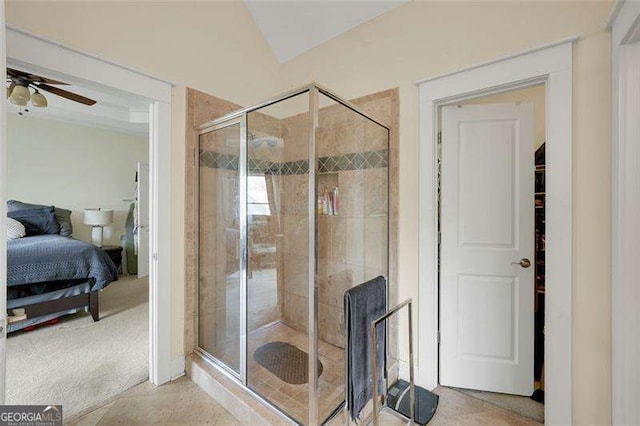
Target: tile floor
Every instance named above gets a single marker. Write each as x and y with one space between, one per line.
522 405
181 402
293 399
456 408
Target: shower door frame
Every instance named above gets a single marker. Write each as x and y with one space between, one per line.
242 177
240 117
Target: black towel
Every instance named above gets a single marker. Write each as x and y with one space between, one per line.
363 304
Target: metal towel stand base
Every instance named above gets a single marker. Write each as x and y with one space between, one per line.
376 402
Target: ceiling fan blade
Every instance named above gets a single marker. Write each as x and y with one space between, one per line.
16 73
33 77
66 94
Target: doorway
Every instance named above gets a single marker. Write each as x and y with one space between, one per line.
491 268
89 162
549 65
69 65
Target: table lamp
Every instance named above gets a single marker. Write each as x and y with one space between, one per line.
98 218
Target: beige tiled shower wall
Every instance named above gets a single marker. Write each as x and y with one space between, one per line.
201 108
295 230
264 263
217 236
351 246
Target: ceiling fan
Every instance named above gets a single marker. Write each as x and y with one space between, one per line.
19 94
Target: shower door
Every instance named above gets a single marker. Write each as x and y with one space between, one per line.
278 255
221 278
293 211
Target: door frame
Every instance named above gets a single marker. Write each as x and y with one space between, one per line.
550 65
59 61
624 24
3 217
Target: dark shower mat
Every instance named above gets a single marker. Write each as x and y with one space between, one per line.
286 361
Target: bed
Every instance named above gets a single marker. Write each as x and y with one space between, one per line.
51 275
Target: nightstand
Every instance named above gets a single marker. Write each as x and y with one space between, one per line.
115 253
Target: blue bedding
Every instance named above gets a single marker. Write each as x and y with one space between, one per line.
45 258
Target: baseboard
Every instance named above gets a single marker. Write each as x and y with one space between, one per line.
177 367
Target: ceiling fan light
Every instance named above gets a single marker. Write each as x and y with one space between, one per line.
20 95
10 89
38 100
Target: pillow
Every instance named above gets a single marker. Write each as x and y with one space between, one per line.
37 221
15 229
63 216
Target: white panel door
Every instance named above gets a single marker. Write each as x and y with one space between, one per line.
487 225
143 219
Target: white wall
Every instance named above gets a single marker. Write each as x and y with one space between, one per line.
74 167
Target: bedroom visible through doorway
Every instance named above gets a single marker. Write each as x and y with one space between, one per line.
492 249
78 254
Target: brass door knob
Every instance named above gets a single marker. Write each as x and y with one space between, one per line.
525 263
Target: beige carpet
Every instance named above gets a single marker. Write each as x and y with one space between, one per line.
80 363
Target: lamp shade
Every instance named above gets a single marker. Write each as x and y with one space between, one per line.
20 95
98 217
38 100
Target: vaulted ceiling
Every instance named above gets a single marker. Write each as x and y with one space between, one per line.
295 26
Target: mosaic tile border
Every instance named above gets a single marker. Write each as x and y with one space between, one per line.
332 164
354 161
216 160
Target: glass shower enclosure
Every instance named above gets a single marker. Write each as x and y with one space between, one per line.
292 201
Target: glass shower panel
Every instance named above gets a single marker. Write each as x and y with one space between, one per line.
218 198
352 229
261 313
278 254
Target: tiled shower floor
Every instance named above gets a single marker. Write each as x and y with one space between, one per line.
293 399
